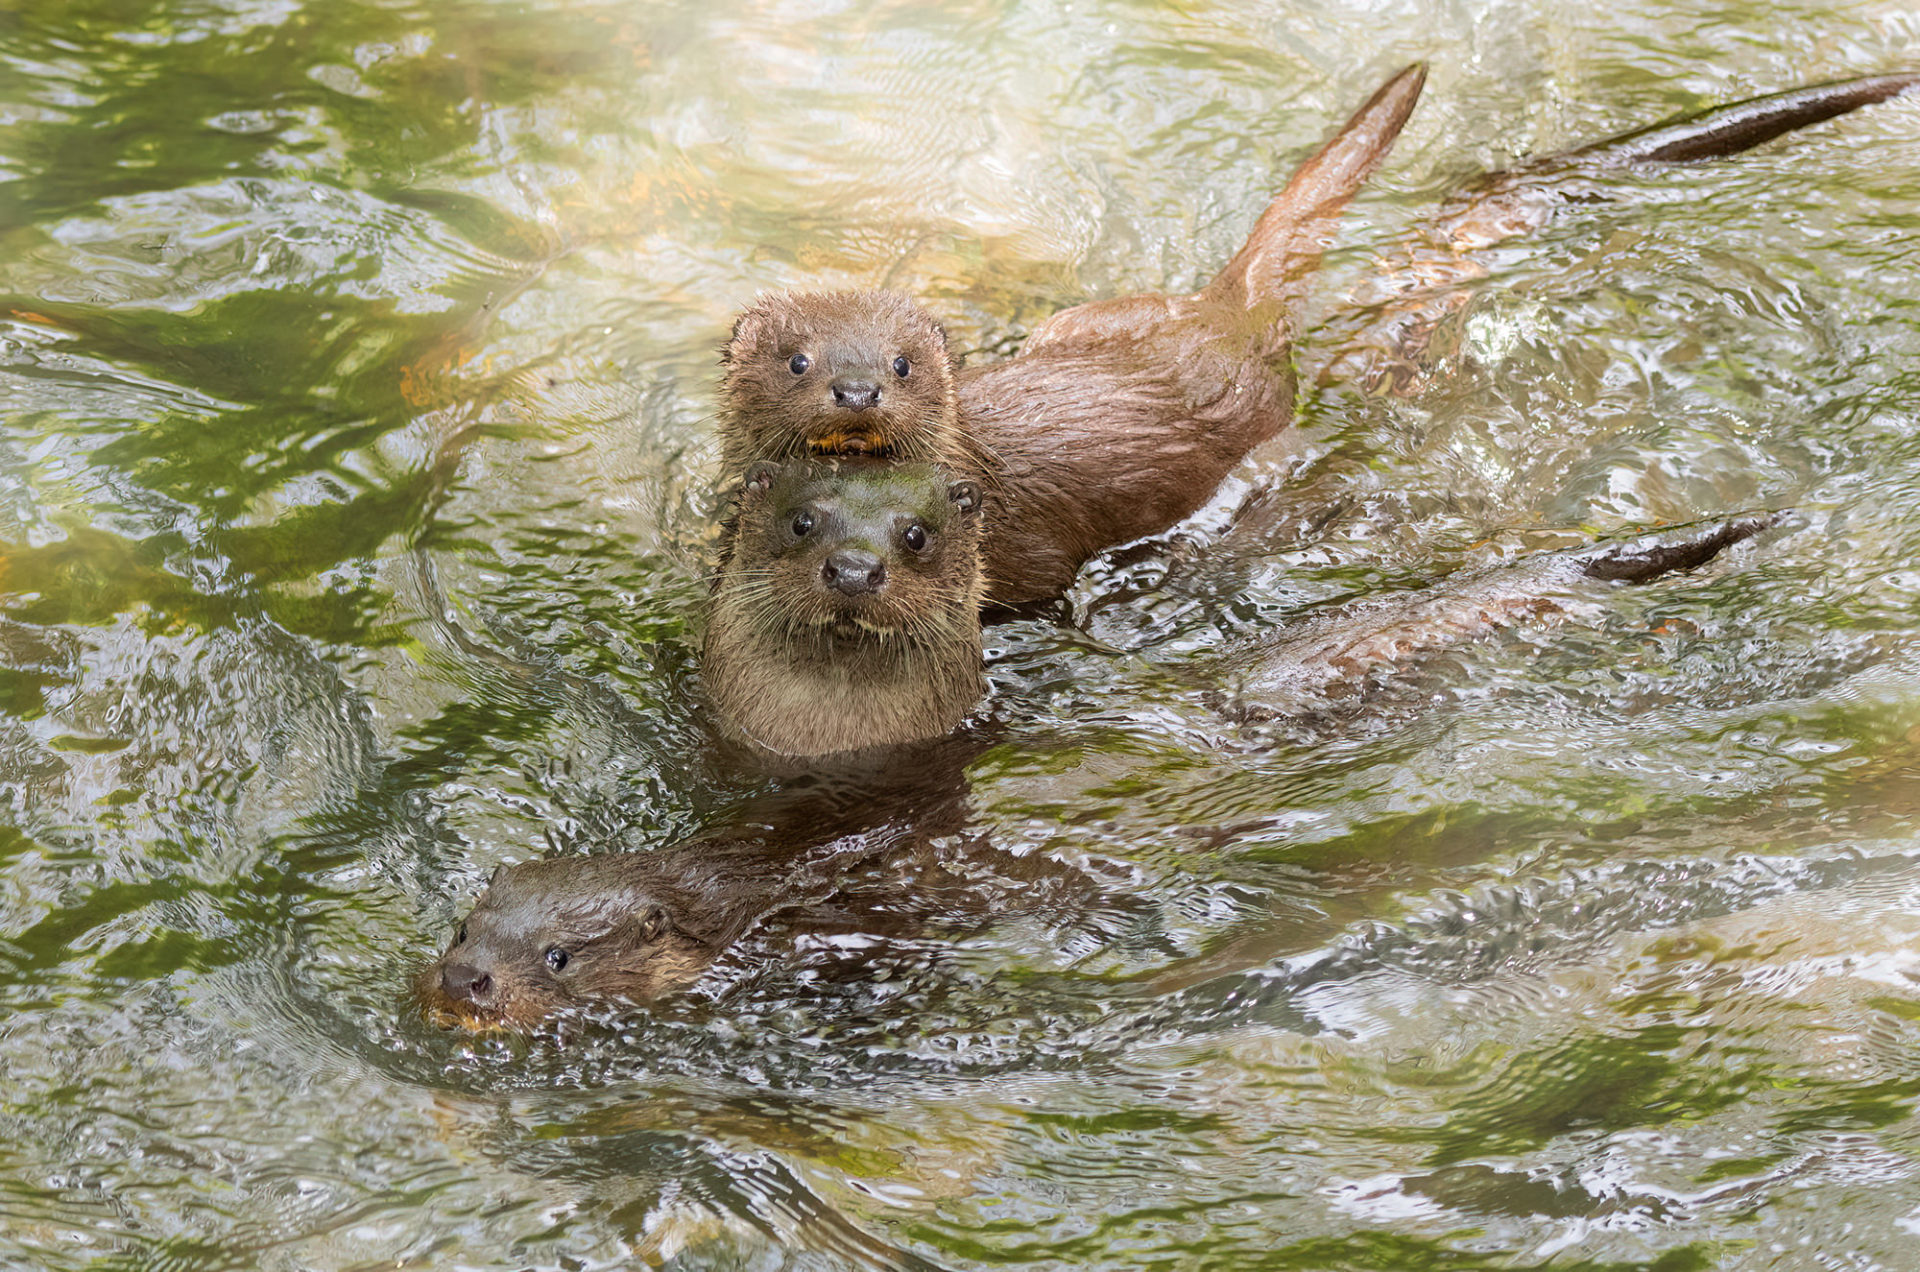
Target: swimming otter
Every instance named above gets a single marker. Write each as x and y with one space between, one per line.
846 611
632 928
1120 417
635 927
551 934
1382 338
879 856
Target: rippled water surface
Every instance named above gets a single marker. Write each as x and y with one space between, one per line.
354 489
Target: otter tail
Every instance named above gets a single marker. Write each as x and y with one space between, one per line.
1727 130
1504 204
1644 559
1291 235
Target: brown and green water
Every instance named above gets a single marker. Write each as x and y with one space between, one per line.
356 372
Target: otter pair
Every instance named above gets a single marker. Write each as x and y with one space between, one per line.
947 488
1116 420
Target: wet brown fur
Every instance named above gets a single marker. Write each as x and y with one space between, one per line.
794 665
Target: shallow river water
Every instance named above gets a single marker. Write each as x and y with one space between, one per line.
357 371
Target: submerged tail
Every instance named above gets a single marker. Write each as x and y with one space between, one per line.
1644 559
1503 204
1392 320
1288 240
1727 130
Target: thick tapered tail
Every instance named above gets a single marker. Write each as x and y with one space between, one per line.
1292 234
1727 130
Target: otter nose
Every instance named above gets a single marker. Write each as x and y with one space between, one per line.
854 571
855 395
466 983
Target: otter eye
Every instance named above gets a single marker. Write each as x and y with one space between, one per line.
802 524
901 366
916 537
460 937
557 959
799 363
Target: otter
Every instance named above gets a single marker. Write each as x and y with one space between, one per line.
846 611
567 933
1120 417
634 928
880 856
577 930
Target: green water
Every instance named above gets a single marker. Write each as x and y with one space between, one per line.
354 482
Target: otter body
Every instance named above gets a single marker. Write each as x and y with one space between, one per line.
575 933
1121 417
846 612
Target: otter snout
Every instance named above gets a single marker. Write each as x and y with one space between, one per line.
465 983
855 395
853 571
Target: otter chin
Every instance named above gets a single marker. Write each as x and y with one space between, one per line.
846 613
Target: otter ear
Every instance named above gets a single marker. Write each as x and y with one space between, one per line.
761 474
653 924
495 876
965 495
746 330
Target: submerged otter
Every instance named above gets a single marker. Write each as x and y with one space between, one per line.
1330 659
575 930
876 855
632 928
1121 417
846 612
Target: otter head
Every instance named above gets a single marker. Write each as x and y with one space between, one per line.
854 550
561 933
847 614
838 373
